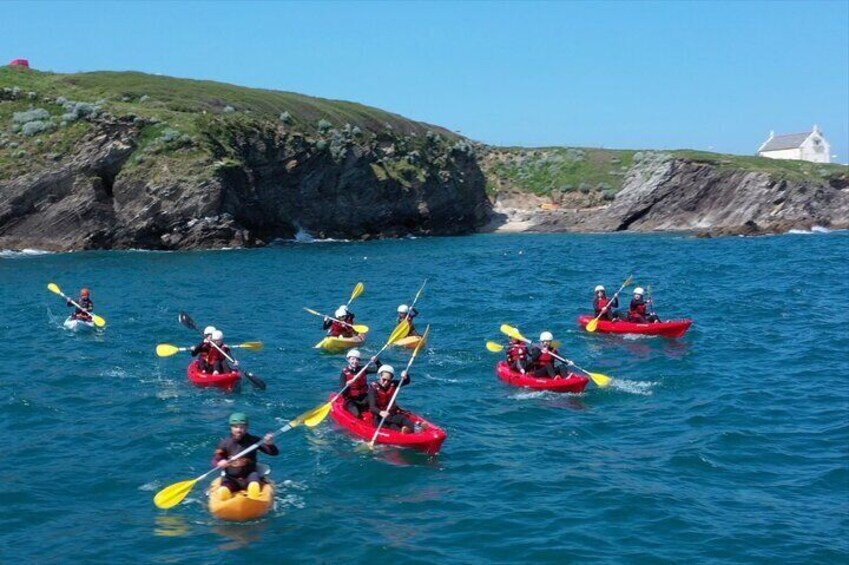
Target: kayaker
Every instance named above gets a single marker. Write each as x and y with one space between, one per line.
407 313
518 355
542 361
380 392
85 302
601 300
241 473
638 310
342 325
356 395
203 348
215 359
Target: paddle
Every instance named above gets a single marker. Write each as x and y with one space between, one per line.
98 321
359 288
321 412
171 495
359 328
593 324
398 389
498 348
599 379
167 350
187 321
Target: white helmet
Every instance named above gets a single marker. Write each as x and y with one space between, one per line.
403 309
355 353
208 330
386 369
546 336
599 288
639 290
341 311
217 335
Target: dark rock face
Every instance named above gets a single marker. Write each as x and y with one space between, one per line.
254 186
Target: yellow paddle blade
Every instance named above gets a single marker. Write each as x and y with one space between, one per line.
400 331
313 312
592 325
98 321
601 380
253 345
513 332
358 290
172 495
628 281
420 344
494 347
315 416
54 288
361 328
166 349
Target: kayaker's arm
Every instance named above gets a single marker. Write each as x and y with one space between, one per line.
268 446
405 378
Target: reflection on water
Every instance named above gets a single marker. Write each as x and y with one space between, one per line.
171 526
240 535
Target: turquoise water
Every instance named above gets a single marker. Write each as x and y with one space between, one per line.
728 445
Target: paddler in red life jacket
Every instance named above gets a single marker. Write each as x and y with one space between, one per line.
85 302
638 310
215 359
203 348
543 362
356 395
380 392
241 473
601 300
518 355
407 313
336 327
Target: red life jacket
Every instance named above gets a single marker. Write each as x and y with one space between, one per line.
546 358
213 355
638 308
359 387
383 396
601 303
517 352
341 330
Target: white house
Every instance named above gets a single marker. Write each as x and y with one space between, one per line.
808 146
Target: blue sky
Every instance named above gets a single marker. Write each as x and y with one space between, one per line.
656 75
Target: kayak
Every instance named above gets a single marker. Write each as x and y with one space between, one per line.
228 381
429 440
572 383
239 507
76 325
670 328
410 342
333 344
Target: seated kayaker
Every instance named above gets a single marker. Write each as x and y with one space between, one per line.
342 325
638 310
407 313
216 361
542 361
85 302
600 301
356 395
241 473
518 355
203 348
380 392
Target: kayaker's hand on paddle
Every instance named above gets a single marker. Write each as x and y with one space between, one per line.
269 439
223 464
384 413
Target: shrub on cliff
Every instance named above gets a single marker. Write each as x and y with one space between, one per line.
324 125
35 114
35 127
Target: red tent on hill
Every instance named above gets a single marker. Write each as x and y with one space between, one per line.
19 63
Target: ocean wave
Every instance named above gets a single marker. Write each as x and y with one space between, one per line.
19 253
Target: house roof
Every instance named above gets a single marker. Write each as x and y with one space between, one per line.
789 141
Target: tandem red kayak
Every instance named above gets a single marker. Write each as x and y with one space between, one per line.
227 381
670 328
571 383
429 440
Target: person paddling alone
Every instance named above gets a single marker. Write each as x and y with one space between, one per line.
342 325
407 313
241 473
215 357
86 304
638 310
600 301
356 395
542 359
380 393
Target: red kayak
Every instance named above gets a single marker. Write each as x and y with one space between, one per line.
572 383
227 381
429 440
670 328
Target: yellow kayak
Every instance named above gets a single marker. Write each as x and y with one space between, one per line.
339 344
239 507
410 342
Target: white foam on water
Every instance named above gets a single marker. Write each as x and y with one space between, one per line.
22 253
642 388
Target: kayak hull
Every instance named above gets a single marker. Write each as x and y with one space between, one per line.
670 328
572 383
239 507
227 381
428 441
76 325
410 342
340 344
